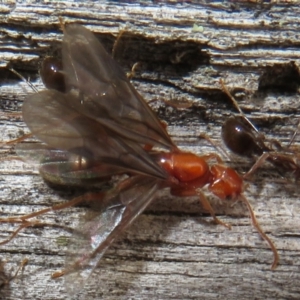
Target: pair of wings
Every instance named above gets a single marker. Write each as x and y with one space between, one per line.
103 119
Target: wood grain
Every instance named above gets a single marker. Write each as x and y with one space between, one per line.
172 251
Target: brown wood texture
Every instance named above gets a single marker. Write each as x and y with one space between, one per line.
172 251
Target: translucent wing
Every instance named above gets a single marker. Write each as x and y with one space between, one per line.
119 208
108 95
102 118
57 120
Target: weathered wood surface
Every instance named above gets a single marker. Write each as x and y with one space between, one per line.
171 251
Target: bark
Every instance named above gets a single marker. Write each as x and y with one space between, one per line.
172 251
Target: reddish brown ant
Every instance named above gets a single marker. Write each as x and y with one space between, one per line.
243 138
102 127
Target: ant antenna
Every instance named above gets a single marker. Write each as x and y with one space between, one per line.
215 145
23 78
294 135
21 267
225 90
118 38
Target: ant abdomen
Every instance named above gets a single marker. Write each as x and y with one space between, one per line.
239 138
51 72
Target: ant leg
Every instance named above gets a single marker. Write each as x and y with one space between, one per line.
23 78
16 141
275 145
23 263
206 205
131 74
11 142
294 135
216 146
75 201
213 156
257 164
118 38
261 232
10 278
234 102
25 222
203 200
114 50
13 235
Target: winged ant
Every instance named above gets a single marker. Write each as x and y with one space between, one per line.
101 127
242 137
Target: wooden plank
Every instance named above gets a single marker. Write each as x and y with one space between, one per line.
172 251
